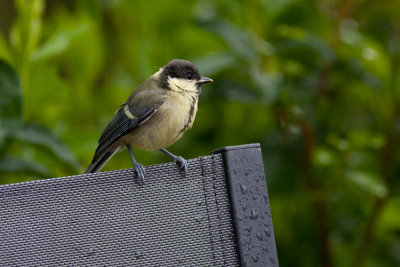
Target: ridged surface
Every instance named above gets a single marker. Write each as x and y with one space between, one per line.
107 219
250 205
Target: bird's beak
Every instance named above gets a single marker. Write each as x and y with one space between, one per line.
203 80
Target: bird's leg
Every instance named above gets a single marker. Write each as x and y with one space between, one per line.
178 159
138 167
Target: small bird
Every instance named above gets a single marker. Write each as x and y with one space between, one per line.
156 115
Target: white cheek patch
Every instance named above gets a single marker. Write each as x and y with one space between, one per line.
178 85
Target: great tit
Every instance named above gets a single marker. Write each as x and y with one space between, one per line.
156 115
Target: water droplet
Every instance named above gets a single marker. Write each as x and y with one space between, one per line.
248 229
244 207
254 214
259 236
265 248
245 242
255 258
243 188
199 203
267 232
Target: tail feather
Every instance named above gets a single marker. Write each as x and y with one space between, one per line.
99 161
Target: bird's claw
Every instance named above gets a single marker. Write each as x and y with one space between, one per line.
178 159
140 171
182 164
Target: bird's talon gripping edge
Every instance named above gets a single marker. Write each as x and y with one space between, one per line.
140 171
138 167
178 159
182 164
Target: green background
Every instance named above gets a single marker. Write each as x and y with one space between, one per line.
317 83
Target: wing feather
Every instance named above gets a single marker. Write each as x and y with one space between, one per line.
121 124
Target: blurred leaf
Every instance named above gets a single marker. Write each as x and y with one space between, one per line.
85 56
323 156
10 101
390 220
4 49
268 85
214 63
15 165
238 40
58 43
40 136
365 138
26 32
367 182
275 8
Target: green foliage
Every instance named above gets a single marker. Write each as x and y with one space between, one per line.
315 82
27 135
10 103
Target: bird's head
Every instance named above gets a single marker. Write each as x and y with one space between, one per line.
181 75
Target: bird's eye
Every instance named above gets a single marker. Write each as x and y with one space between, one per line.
189 76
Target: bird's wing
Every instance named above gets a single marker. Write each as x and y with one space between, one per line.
128 117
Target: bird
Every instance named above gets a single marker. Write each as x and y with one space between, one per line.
155 116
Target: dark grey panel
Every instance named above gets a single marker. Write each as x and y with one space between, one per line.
251 211
107 219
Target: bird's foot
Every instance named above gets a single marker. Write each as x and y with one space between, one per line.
182 164
178 159
139 171
138 167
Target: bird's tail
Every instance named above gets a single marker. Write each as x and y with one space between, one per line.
100 160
